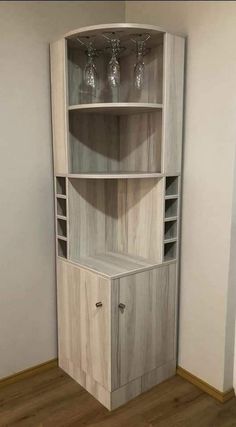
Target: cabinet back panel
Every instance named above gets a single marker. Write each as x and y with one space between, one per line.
153 77
92 210
139 217
117 216
151 91
94 142
107 143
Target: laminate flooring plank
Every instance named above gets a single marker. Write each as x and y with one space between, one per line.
53 399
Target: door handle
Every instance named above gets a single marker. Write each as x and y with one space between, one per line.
122 306
98 304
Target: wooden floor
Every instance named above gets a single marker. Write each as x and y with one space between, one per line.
52 399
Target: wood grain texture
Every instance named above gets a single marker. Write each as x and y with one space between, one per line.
106 348
147 324
94 143
115 264
139 227
64 403
83 328
116 398
29 372
125 216
173 102
153 77
59 105
115 146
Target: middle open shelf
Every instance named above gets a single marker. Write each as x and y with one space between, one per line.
115 264
113 223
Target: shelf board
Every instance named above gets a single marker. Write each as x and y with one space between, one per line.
62 217
116 107
171 218
169 259
174 196
61 196
114 264
62 238
115 175
171 240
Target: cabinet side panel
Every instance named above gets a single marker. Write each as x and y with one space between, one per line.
69 313
173 103
59 105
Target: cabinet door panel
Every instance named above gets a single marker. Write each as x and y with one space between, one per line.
147 324
84 329
95 327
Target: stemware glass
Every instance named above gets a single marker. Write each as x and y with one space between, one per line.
90 70
113 65
141 50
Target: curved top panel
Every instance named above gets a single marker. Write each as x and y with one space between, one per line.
116 27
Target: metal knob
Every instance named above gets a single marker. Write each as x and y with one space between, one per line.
122 306
98 304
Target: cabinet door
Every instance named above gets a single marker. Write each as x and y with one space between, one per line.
95 327
84 328
147 323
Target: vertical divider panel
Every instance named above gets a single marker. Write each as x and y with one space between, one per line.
173 84
67 221
59 105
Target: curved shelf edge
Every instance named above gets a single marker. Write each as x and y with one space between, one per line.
115 175
116 107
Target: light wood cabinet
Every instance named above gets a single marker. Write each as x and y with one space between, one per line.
116 331
117 162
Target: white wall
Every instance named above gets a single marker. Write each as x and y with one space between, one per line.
27 270
206 326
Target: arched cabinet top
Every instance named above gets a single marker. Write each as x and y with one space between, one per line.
125 28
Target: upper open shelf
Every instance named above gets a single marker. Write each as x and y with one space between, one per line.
116 107
126 92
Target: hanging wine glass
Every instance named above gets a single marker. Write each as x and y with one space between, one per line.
90 70
141 50
113 65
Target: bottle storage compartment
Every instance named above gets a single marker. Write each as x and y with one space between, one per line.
172 185
80 93
61 228
114 143
170 231
61 206
123 215
60 185
170 251
62 248
171 208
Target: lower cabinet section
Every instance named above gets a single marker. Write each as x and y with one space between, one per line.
117 336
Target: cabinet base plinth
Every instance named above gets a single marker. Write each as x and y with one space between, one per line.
113 399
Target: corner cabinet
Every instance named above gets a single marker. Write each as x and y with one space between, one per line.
117 163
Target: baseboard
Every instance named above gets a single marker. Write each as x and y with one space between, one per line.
218 395
34 370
